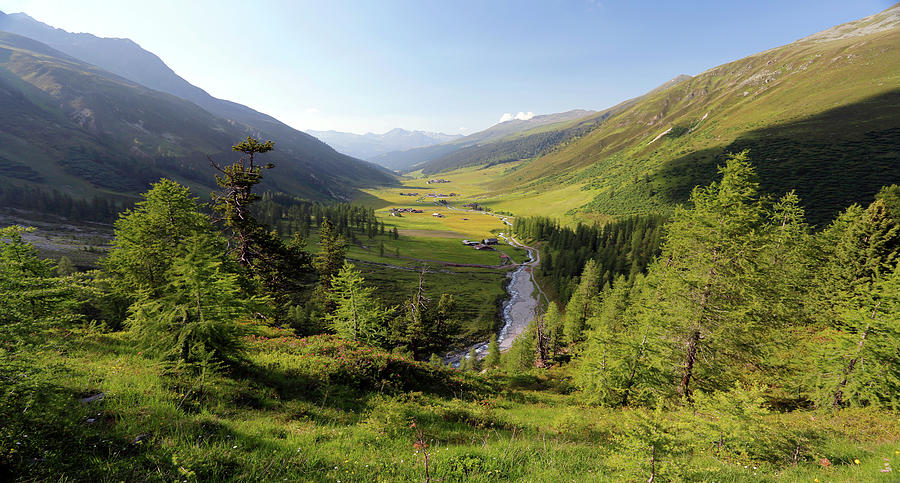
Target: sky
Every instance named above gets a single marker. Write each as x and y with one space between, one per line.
446 66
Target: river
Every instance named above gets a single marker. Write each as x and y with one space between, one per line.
518 310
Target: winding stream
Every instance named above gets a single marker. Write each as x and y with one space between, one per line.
518 310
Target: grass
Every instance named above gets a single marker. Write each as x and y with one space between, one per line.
477 293
478 185
322 409
820 118
433 243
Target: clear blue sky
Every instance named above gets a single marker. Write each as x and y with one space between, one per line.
451 66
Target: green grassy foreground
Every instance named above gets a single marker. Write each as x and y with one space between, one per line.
325 409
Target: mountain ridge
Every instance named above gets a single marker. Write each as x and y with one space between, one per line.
126 59
407 160
369 145
73 126
821 114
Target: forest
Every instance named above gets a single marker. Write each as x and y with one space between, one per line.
744 295
727 341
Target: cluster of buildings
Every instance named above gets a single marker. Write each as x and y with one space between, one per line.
440 195
438 180
483 244
398 211
409 194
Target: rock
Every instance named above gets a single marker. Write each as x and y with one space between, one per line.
139 438
95 397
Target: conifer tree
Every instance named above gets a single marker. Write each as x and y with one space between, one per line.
148 238
554 322
281 268
492 359
423 326
236 197
583 303
623 361
198 311
31 297
330 259
706 276
474 364
520 356
855 288
357 314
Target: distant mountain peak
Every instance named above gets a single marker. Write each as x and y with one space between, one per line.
371 145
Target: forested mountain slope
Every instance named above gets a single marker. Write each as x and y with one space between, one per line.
821 115
72 126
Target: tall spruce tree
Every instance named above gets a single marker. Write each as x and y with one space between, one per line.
583 304
148 238
31 297
854 290
709 267
282 268
492 360
358 315
330 259
198 311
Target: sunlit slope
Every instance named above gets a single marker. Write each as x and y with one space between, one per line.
479 147
821 115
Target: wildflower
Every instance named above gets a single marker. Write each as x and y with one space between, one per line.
856 461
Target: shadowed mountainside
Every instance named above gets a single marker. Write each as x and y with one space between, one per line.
72 126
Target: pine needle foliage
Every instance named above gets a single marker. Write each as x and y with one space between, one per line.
200 309
358 315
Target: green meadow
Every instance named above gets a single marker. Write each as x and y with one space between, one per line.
325 409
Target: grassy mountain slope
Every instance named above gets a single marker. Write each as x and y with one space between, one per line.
516 140
78 128
406 160
821 114
323 172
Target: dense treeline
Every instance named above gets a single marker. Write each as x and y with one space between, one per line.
289 215
744 297
185 277
53 202
624 247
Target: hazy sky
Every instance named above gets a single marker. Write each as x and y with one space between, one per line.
452 66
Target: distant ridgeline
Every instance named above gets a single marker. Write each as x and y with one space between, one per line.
289 215
621 248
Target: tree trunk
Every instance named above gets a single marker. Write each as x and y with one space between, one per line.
631 377
684 389
838 400
541 344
